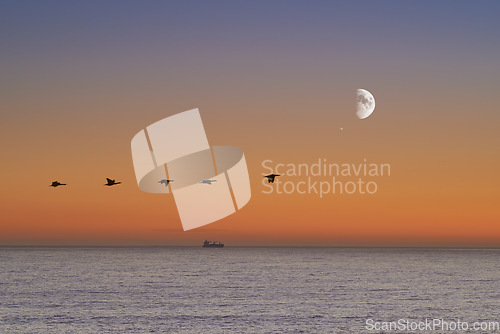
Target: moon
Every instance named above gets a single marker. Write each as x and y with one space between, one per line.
365 103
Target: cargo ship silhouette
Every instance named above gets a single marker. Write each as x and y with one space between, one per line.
213 244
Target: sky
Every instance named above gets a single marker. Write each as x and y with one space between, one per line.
275 78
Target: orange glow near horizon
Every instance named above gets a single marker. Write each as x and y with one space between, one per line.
419 204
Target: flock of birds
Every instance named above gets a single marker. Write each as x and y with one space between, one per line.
111 182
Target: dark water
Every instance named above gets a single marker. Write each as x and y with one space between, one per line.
241 290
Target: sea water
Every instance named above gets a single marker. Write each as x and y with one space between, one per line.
242 290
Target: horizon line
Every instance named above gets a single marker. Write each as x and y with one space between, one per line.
249 246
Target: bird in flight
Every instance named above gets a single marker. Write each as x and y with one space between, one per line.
208 181
270 177
166 182
57 184
111 182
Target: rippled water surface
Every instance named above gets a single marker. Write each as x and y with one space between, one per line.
241 290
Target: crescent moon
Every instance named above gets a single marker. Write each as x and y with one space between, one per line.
365 103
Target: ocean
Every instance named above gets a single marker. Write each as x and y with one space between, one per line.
245 289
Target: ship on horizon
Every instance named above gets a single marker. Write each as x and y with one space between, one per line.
216 244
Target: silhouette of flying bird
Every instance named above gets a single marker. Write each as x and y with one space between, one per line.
111 182
57 184
166 182
208 181
270 177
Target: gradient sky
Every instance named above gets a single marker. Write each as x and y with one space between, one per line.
274 78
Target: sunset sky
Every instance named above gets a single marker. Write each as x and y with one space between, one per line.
275 78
